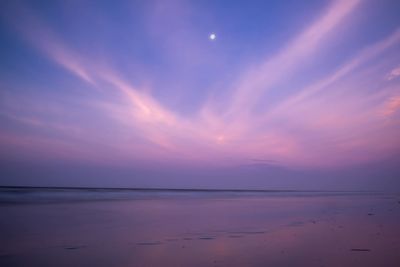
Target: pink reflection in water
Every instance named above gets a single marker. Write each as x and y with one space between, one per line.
207 230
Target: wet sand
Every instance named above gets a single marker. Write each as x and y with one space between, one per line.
203 229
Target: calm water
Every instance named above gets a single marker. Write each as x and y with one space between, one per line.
168 228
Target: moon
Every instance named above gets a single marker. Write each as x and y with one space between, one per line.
212 36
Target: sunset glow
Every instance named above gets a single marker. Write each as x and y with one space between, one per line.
311 86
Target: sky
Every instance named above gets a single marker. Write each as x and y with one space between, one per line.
200 94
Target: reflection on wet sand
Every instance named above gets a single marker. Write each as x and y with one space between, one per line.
212 230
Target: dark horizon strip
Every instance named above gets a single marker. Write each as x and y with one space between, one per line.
181 189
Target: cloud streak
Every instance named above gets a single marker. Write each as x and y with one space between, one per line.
336 120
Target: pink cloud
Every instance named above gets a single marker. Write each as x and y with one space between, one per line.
393 74
330 122
391 106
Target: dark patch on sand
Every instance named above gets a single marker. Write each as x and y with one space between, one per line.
360 249
74 247
295 224
206 237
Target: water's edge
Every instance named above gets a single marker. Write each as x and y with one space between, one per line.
26 195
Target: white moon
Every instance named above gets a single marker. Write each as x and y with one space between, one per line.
212 36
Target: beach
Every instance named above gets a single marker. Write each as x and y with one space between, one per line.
198 228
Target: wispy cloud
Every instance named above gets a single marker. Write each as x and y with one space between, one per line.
391 106
332 121
255 81
394 74
35 31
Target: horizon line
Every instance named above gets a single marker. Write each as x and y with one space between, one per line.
181 189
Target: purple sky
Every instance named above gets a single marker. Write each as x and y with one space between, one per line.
288 95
